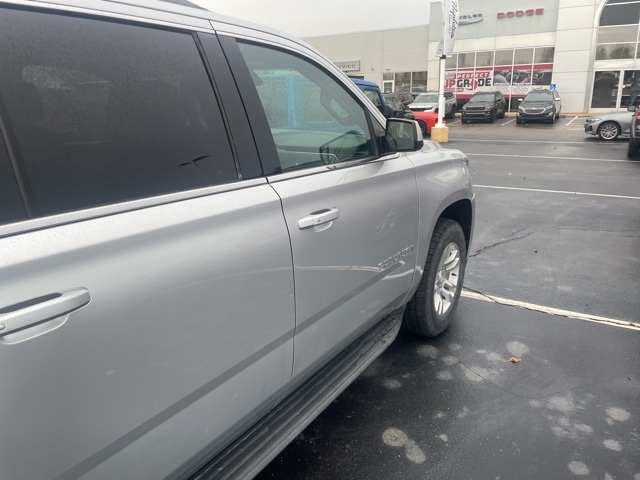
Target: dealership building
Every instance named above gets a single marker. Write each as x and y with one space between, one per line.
587 49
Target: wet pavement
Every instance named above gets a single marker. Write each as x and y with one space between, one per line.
457 408
561 232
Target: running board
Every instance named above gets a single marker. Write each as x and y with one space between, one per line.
260 444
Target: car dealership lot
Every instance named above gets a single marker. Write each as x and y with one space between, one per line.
552 280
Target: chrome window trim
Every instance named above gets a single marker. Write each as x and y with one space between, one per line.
305 172
29 225
194 24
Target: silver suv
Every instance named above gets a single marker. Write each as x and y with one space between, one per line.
428 102
206 232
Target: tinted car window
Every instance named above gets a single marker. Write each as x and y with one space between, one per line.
539 97
373 96
106 112
313 119
11 207
483 97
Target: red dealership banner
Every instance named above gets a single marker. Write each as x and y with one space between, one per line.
516 80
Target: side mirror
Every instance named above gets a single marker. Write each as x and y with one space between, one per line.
631 108
386 110
404 135
520 99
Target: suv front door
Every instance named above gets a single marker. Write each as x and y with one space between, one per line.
350 213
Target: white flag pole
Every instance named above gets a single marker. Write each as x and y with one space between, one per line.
450 18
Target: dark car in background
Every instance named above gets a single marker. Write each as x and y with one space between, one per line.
633 148
539 105
484 106
400 109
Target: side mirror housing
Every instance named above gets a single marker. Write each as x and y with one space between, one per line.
631 108
520 99
404 135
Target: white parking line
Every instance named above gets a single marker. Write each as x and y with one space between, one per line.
613 322
542 157
586 194
550 142
572 120
510 121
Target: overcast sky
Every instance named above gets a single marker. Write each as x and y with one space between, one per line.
306 18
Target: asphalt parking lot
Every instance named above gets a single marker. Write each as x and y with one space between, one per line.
553 279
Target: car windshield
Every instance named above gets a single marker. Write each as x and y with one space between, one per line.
539 97
426 98
482 97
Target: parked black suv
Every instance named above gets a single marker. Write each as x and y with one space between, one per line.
544 105
484 106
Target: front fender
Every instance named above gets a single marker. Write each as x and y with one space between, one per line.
444 189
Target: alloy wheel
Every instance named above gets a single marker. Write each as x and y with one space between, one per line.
447 277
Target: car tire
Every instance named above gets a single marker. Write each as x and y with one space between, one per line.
518 121
504 112
558 116
633 151
423 128
453 112
432 308
609 131
492 118
464 120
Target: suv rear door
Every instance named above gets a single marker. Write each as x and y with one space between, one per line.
146 292
351 215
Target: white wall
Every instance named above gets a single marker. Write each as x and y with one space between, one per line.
574 57
385 51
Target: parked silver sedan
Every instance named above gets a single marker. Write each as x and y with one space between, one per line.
609 125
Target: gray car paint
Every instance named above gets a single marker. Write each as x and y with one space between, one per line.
189 335
170 327
623 119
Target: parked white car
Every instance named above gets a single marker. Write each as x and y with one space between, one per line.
428 102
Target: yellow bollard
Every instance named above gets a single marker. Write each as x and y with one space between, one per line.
440 133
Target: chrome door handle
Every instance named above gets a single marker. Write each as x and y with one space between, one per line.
318 218
42 309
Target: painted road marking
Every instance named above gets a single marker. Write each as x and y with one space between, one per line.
510 121
557 191
586 143
538 157
573 120
552 311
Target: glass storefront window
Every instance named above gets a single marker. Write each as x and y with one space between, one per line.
418 81
504 57
630 89
403 82
387 76
616 51
605 89
452 61
466 60
544 55
620 14
484 59
523 56
628 33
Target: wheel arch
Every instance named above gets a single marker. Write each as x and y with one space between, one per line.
462 213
